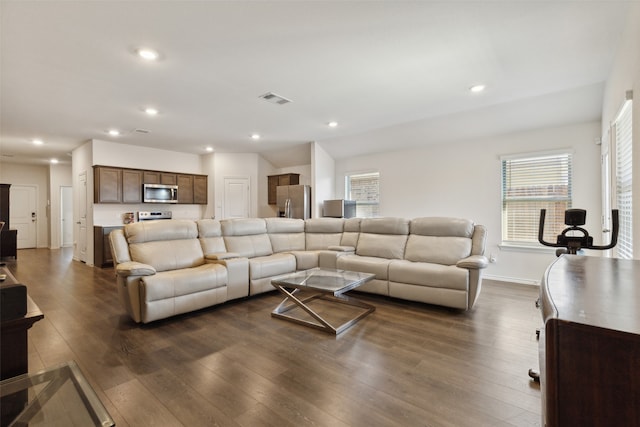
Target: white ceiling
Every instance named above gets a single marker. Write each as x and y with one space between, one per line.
69 72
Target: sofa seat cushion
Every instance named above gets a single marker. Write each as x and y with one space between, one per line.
427 274
272 265
185 281
365 264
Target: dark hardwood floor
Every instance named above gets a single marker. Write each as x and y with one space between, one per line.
407 364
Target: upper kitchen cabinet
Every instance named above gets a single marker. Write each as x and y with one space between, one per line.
156 177
107 186
200 189
283 179
131 186
185 189
122 185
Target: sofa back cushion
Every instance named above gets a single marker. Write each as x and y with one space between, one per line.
285 234
320 233
383 237
351 232
165 244
246 237
439 240
210 236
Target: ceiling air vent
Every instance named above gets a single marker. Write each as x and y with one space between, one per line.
275 99
142 131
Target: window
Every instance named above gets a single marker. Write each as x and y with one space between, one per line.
364 188
623 168
531 183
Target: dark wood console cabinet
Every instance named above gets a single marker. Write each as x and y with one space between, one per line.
590 344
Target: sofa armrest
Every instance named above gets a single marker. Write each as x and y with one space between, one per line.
133 268
219 256
474 262
342 248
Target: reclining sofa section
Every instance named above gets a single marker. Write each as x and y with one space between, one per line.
165 268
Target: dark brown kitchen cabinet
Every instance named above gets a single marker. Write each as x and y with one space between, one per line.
185 189
131 186
273 181
123 185
101 247
200 189
107 186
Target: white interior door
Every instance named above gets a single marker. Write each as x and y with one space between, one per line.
23 215
66 216
236 198
82 217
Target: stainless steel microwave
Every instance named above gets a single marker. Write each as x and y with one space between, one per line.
159 193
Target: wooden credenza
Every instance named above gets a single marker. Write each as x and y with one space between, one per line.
590 344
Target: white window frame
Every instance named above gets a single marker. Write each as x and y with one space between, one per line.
361 203
532 243
622 186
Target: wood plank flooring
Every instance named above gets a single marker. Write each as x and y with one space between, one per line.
406 364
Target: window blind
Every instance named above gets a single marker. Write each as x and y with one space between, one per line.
624 199
364 188
529 184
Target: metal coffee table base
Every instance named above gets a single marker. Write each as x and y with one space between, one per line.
322 324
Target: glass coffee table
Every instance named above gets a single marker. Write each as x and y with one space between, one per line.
320 283
57 396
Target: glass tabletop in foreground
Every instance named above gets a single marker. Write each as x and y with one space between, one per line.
323 279
58 396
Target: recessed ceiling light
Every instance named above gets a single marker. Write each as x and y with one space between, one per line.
477 88
37 142
255 136
332 124
148 54
113 132
54 161
151 111
209 149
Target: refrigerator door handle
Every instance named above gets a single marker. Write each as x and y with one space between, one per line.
287 208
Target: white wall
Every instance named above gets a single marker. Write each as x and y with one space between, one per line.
323 172
625 75
59 176
37 176
464 180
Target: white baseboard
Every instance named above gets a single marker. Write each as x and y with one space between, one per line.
517 280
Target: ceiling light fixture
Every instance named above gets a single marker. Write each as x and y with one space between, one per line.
54 161
37 142
148 54
151 111
209 149
113 132
477 88
255 136
332 124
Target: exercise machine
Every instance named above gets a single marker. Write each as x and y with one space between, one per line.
572 240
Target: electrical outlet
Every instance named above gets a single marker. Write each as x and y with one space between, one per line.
492 258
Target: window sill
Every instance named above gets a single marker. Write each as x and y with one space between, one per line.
511 247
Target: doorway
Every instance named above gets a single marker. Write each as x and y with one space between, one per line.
66 216
236 197
23 215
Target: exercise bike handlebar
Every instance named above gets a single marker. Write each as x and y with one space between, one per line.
614 233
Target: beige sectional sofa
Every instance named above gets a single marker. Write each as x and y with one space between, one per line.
169 267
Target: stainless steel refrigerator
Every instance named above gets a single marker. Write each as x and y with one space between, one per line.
294 201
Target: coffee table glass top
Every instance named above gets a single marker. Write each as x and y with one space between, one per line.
323 279
58 396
